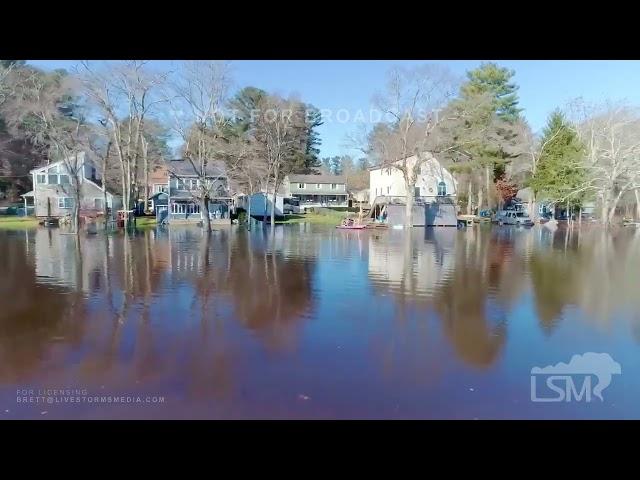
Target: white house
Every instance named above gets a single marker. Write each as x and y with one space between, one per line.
434 181
53 194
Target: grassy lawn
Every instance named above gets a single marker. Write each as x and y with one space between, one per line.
146 222
11 222
333 218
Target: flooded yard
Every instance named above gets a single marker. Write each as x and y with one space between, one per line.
306 321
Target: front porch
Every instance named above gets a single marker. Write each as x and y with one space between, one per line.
190 211
320 200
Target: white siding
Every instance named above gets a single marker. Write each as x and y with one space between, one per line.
390 181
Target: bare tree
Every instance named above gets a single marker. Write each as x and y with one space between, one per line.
279 132
45 108
196 101
611 135
246 169
125 95
411 101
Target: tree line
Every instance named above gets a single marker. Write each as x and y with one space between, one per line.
126 114
476 129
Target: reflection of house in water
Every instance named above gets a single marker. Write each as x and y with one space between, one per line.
58 261
447 271
414 264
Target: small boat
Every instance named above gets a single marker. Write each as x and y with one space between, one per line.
351 227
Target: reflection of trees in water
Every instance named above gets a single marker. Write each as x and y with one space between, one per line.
270 292
451 272
98 304
594 270
33 317
463 298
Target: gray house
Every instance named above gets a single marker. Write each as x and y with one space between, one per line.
317 190
185 190
53 192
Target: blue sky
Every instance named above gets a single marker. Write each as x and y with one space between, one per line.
350 84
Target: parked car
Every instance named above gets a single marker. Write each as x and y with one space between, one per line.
290 205
512 217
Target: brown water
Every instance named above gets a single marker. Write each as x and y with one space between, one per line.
311 322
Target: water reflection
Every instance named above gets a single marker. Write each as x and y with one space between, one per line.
239 324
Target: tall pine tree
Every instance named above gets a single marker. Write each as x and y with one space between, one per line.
487 110
558 171
497 82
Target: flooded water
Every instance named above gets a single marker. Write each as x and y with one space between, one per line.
310 322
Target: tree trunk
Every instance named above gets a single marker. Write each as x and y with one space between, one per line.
274 196
469 195
408 213
205 210
146 177
480 199
605 208
266 204
637 193
580 217
104 186
488 187
249 214
125 197
612 210
533 210
76 212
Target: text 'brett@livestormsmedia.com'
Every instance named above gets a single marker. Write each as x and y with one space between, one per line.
50 396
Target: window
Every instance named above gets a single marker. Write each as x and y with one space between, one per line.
97 203
442 189
193 183
416 193
65 202
157 188
188 208
318 186
41 178
301 185
53 179
180 184
334 186
64 179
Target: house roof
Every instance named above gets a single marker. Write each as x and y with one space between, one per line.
184 168
317 178
82 156
28 194
429 157
157 194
